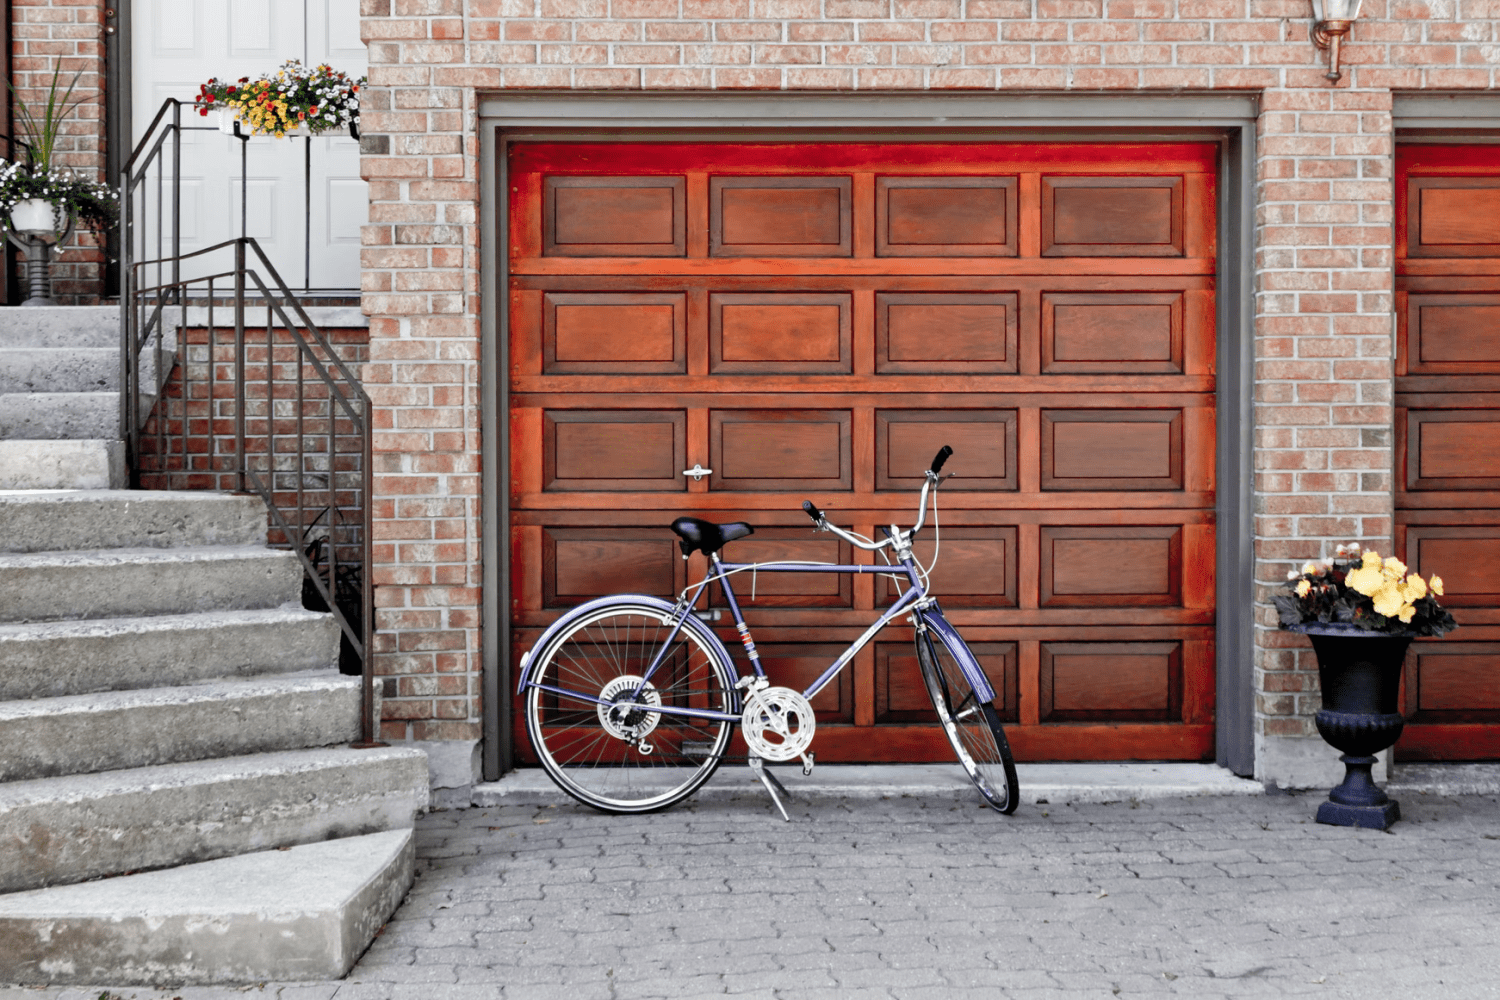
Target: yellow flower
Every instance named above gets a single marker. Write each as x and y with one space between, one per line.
1406 612
1371 559
1367 580
1437 585
1303 587
1415 588
1388 600
1311 569
1395 567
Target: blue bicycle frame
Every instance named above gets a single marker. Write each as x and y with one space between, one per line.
929 615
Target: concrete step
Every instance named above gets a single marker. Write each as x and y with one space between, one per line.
85 464
51 416
62 830
59 369
44 521
57 659
111 730
61 326
116 583
303 914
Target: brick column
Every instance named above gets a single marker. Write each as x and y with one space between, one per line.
1323 379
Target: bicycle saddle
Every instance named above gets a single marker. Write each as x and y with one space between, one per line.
705 536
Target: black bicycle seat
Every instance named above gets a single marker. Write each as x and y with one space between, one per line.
695 534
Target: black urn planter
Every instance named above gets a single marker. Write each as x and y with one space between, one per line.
1360 673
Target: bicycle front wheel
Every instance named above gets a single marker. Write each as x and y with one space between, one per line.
972 726
619 759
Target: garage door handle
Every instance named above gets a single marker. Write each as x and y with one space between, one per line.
697 472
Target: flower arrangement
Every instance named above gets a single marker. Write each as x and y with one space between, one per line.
40 175
94 204
1363 590
320 99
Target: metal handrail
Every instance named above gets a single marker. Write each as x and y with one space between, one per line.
306 395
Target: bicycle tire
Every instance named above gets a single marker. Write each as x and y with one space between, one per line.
591 753
972 727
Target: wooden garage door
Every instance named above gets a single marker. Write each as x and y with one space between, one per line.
1448 438
815 321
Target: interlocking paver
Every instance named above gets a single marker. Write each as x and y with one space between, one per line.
907 899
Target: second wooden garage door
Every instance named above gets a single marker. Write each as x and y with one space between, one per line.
815 321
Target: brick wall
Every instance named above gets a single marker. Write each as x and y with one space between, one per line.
44 33
1323 245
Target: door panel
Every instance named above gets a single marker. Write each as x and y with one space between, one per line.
1448 439
814 322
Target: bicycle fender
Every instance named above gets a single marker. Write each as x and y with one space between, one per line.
667 607
966 661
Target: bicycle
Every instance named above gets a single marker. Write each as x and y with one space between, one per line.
631 700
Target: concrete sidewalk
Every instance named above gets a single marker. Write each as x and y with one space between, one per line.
927 895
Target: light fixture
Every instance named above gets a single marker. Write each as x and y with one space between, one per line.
1332 20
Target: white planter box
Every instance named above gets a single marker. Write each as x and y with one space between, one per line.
227 120
36 216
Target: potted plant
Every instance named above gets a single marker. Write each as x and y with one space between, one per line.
1361 613
320 99
41 199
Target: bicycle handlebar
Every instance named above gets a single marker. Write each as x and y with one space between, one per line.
929 480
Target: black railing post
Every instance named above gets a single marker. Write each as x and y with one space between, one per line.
239 364
371 725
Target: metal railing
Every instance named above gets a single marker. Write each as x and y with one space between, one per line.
228 384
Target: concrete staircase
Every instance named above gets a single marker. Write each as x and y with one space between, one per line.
60 398
178 803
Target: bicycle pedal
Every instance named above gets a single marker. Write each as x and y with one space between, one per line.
807 764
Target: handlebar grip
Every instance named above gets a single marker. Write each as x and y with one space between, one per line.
812 511
942 456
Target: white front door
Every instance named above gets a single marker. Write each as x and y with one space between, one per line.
304 205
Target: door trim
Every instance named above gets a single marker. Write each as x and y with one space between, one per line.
1228 119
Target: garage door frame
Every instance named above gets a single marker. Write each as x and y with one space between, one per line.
1226 119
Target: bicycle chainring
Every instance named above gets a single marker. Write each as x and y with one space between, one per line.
778 723
622 722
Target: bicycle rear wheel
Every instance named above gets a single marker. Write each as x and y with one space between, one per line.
634 760
972 726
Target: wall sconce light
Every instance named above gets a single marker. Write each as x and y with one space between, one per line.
1332 21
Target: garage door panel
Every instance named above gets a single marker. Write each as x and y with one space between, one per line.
614 450
1448 438
1453 217
1112 217
1112 332
777 333
579 564
1464 557
904 447
790 590
815 321
946 332
777 450
1114 681
976 567
901 695
1113 566
780 216
1452 334
797 665
945 216
615 216
1453 449
1111 449
606 333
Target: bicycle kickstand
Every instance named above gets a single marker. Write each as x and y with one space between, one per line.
772 783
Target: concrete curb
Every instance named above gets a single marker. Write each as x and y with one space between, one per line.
1040 783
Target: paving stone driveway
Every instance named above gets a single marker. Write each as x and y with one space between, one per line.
908 898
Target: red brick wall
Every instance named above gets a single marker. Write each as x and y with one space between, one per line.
44 32
1323 244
